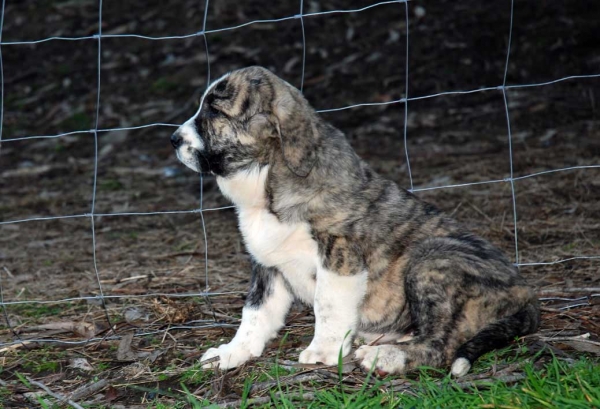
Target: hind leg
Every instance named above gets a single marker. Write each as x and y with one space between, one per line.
435 307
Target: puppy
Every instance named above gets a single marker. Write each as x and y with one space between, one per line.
322 227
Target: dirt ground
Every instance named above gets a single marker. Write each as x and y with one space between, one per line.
51 88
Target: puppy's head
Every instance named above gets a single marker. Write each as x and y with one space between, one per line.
245 118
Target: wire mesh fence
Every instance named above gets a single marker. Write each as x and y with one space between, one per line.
204 33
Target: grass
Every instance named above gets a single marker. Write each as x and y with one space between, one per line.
37 310
110 185
555 384
273 372
546 381
195 375
542 379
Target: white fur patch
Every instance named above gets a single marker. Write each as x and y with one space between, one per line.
337 299
259 325
386 358
289 247
186 153
188 132
460 367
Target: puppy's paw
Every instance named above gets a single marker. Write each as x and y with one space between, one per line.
460 367
312 355
384 359
229 356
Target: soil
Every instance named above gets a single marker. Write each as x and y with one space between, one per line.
51 88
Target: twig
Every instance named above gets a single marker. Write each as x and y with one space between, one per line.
578 338
209 361
8 273
15 346
570 290
375 340
89 389
58 396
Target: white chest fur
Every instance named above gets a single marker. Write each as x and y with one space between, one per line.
288 247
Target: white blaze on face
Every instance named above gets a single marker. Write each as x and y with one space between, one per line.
189 133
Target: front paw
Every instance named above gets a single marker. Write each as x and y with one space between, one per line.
327 356
229 357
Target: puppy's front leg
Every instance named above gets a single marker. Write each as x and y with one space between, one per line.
267 304
337 301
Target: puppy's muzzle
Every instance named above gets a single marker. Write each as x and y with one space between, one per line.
176 140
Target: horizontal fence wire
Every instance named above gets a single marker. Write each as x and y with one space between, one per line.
321 111
204 324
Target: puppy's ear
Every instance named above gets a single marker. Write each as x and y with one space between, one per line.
296 124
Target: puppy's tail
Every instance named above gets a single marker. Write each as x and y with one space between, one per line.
496 335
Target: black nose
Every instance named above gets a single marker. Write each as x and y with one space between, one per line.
176 140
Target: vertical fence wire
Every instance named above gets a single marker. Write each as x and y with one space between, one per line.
4 307
93 206
205 235
1 75
406 103
509 133
303 45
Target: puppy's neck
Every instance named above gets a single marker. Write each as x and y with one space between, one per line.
246 189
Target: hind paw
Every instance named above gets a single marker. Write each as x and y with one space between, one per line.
384 359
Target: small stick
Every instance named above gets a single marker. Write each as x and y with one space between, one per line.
375 340
8 273
58 396
578 338
89 389
570 290
209 360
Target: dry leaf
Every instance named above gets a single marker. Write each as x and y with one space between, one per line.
111 394
125 353
81 363
583 346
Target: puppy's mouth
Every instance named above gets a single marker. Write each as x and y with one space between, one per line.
193 159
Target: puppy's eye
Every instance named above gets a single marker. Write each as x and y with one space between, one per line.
221 86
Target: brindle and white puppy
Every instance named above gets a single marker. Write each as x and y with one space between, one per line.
323 228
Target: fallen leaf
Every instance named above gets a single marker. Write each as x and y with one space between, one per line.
583 346
81 363
124 352
111 394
